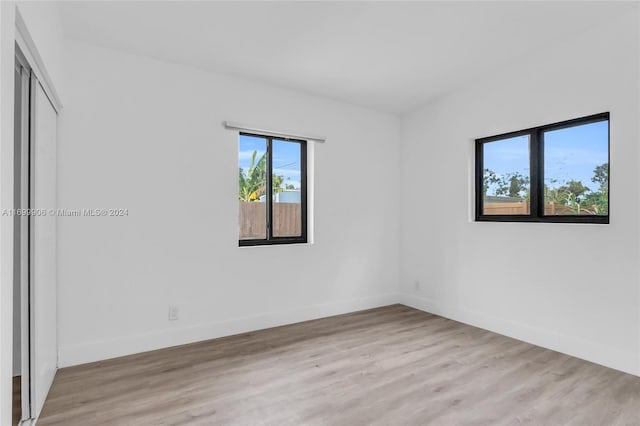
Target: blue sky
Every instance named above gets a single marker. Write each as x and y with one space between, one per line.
570 154
286 157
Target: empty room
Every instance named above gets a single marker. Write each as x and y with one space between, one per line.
319 213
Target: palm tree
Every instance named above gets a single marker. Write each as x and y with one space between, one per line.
252 182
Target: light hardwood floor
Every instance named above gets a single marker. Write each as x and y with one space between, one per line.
387 366
16 385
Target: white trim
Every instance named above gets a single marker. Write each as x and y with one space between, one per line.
81 353
262 131
7 67
75 354
24 246
570 345
30 51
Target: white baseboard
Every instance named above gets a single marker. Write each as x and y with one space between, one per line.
627 362
99 350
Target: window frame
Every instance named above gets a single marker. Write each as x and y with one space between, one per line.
270 239
536 166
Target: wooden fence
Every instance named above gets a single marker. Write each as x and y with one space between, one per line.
522 207
506 208
253 220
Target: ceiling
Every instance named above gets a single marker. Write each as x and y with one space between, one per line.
389 56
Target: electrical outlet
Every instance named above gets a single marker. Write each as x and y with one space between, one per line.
173 313
416 285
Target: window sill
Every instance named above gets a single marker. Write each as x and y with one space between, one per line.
267 243
578 220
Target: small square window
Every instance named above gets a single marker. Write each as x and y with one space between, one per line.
272 190
553 173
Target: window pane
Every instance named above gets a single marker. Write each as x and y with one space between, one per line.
252 179
287 193
576 170
506 178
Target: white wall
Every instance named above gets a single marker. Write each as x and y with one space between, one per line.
42 19
148 136
573 288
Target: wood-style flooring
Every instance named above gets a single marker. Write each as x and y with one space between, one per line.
17 400
387 366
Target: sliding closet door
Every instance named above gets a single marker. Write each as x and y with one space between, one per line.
44 358
21 230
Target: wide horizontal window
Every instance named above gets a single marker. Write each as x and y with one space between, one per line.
553 173
272 190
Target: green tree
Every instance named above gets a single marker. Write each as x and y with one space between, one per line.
510 184
554 195
277 183
574 187
252 182
599 201
489 178
579 198
601 176
518 185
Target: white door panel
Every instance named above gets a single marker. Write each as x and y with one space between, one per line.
44 358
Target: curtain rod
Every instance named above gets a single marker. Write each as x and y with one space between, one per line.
237 126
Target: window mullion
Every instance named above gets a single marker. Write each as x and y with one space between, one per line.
269 189
480 180
303 190
540 170
536 189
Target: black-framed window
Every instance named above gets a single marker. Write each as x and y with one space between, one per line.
553 173
272 190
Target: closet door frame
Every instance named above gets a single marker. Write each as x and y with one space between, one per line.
33 77
24 256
